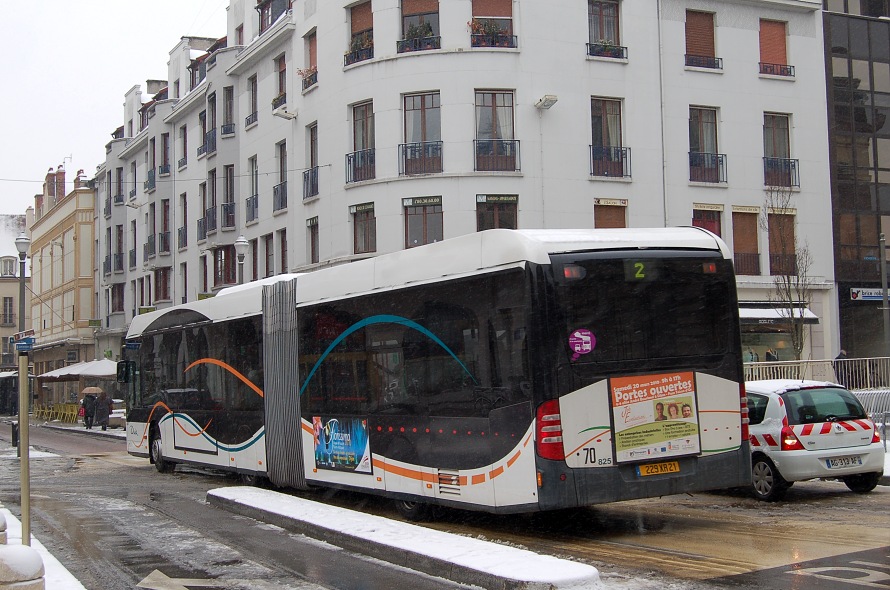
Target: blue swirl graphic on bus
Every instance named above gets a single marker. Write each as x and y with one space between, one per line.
382 319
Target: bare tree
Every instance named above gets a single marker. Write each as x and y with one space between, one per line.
790 264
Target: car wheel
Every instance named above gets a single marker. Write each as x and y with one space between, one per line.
413 511
157 454
862 483
767 483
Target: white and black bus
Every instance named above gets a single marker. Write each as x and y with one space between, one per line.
504 371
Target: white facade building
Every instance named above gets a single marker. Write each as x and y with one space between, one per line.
324 132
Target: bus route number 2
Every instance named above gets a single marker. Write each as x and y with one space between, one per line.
590 457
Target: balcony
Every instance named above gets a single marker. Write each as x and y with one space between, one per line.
202 150
360 166
363 54
227 211
7 319
182 237
149 184
782 264
418 44
279 196
119 262
496 155
182 162
777 70
251 206
494 40
132 258
310 80
607 50
704 61
310 183
781 172
210 141
210 220
422 157
118 199
202 230
250 119
164 242
164 170
107 208
610 161
149 249
227 129
707 167
132 193
279 101
747 263
106 266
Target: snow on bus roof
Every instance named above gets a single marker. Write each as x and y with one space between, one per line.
460 256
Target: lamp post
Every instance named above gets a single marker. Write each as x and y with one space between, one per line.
241 248
21 243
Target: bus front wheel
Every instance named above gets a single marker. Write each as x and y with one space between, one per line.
157 454
413 511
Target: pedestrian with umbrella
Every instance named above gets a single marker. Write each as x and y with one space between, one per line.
88 405
103 410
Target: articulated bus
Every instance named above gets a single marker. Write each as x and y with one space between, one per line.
505 371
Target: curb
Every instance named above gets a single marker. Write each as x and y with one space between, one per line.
100 433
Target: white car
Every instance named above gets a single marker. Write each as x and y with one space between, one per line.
806 430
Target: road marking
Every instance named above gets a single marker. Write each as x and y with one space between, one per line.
158 580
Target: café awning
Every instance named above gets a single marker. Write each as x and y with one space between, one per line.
772 315
103 368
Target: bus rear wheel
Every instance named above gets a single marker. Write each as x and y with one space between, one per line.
157 454
413 511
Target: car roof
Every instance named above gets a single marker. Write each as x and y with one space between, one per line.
780 386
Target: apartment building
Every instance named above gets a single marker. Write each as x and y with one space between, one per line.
63 280
326 132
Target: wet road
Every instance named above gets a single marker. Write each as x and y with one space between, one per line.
100 507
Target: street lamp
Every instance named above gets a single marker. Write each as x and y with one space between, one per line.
21 243
241 248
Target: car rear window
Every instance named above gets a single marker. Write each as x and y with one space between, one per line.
823 404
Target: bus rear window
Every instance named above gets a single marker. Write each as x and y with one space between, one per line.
649 307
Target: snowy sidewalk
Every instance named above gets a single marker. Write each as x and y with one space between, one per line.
56 576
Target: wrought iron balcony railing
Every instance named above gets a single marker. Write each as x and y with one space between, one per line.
496 155
107 208
164 169
279 196
182 237
310 80
202 230
251 206
310 183
150 246
106 266
611 161
418 44
358 55
782 264
279 101
777 70
704 61
227 211
495 40
422 157
164 242
227 129
118 199
707 167
182 162
360 166
149 184
747 263
210 219
250 119
210 141
119 262
607 50
132 258
781 172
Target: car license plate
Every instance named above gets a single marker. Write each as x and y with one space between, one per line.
658 468
839 462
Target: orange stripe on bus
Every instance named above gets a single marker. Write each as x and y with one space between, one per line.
228 368
495 472
513 459
477 479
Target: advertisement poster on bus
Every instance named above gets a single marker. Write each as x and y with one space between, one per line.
655 416
341 444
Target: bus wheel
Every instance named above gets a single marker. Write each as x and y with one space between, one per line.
768 483
157 454
249 479
413 511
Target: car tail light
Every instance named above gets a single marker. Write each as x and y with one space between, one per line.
548 427
790 442
875 437
743 398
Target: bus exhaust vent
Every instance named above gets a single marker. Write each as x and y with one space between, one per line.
449 483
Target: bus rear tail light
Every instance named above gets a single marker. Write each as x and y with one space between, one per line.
789 441
548 430
743 397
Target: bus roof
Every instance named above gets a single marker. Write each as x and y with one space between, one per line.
460 256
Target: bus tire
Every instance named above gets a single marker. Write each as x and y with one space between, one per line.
412 511
767 483
249 479
862 483
157 454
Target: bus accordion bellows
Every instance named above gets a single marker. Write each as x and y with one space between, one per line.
505 371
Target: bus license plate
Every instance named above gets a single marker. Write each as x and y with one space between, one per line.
658 468
839 462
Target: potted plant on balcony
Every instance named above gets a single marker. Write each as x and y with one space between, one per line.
308 76
485 32
605 48
418 31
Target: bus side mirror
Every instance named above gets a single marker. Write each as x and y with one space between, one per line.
123 371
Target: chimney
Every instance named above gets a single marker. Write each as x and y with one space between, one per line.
49 183
79 180
60 182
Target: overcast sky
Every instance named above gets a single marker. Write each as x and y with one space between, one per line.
66 67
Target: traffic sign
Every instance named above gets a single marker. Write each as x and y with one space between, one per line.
24 346
19 335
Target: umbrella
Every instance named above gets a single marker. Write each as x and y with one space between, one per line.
93 390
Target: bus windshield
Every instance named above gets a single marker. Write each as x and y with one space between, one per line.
653 305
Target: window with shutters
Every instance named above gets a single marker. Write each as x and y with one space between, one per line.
420 26
744 243
773 53
606 216
492 24
602 24
310 73
361 41
700 46
782 244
